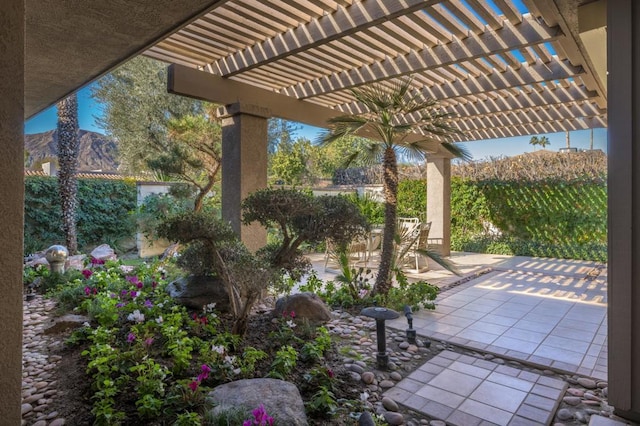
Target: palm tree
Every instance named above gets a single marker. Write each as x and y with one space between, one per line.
387 109
544 141
68 147
534 141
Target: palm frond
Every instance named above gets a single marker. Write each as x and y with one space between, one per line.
458 151
437 257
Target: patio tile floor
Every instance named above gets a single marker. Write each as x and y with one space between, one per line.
552 321
464 390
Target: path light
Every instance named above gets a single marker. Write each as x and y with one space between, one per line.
411 332
56 256
381 315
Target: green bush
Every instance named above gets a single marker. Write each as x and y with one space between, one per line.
551 218
104 208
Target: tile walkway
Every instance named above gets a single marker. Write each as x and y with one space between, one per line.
550 321
545 312
467 391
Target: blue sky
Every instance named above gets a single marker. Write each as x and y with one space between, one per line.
89 110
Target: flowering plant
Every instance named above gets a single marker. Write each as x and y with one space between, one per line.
260 418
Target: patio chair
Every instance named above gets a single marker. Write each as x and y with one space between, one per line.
357 251
411 241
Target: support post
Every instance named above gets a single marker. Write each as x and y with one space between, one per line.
439 203
244 166
12 38
623 26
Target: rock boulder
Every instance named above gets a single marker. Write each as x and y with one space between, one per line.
305 305
281 399
195 291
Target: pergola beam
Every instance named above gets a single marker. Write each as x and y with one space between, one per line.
529 32
343 22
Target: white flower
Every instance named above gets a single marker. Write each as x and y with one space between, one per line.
86 324
364 396
237 371
218 349
291 324
159 320
229 360
136 316
209 308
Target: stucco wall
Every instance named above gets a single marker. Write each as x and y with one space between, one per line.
12 206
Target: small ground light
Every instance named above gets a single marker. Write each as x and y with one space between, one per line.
381 315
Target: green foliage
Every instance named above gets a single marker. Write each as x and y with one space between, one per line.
417 295
370 209
301 218
102 215
137 110
289 163
552 218
284 363
412 199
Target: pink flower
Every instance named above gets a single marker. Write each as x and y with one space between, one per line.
154 285
194 385
292 314
135 280
131 337
330 373
95 261
87 273
148 342
87 291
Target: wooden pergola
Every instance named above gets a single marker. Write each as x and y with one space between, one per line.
502 69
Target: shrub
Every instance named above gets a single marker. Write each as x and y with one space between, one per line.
213 249
103 212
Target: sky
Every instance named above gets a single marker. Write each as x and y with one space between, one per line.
89 110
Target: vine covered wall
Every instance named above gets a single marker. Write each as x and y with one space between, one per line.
103 214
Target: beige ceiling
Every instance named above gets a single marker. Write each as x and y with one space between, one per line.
504 71
69 43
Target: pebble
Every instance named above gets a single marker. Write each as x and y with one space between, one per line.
587 383
38 367
572 400
386 384
404 345
368 377
389 404
564 414
395 376
575 392
394 418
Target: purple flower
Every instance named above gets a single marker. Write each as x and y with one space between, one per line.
148 303
131 337
119 305
87 291
194 385
95 261
133 294
87 273
124 292
113 295
148 342
154 285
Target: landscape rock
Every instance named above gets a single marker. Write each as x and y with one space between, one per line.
104 252
75 262
196 291
281 399
368 377
305 305
564 414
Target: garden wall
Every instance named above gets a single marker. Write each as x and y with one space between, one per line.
104 208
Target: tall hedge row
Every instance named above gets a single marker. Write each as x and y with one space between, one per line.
104 208
547 219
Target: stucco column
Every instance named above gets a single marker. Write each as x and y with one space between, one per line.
11 206
439 203
244 166
623 27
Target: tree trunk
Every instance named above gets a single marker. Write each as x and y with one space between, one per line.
390 181
68 146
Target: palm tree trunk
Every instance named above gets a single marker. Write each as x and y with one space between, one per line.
68 146
390 181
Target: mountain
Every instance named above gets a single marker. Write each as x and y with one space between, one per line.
97 152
